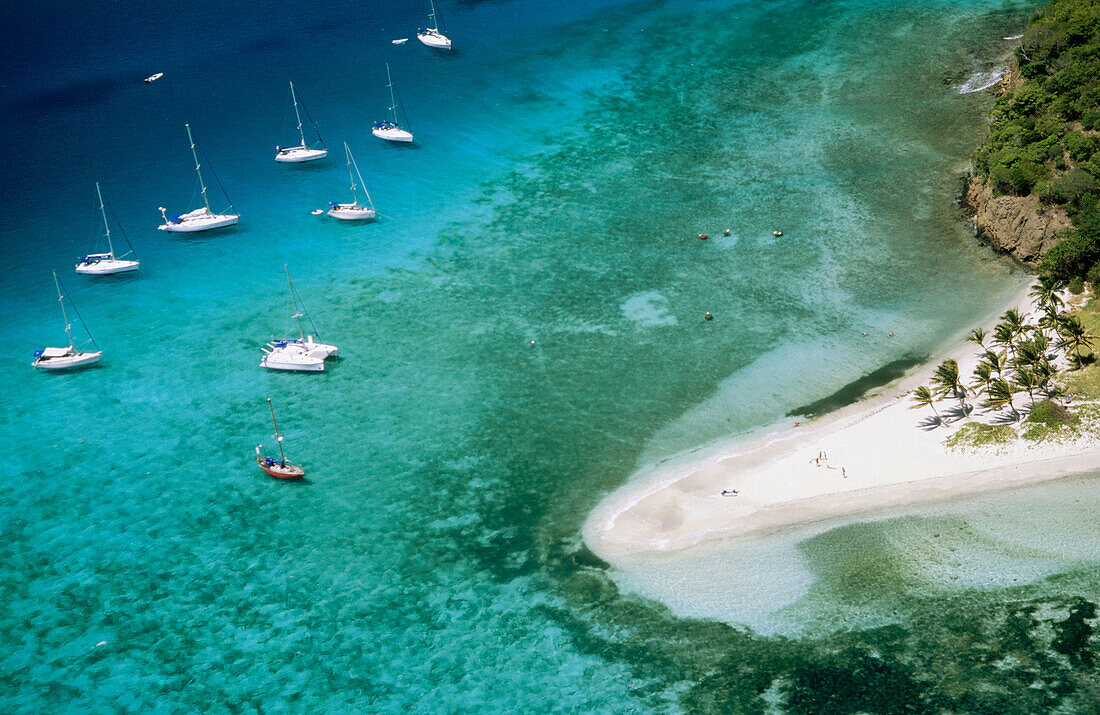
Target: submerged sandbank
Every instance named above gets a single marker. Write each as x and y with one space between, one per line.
873 454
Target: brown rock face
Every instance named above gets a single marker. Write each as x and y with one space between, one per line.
1018 225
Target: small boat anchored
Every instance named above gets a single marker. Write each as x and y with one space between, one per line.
431 36
278 468
353 211
301 153
202 219
390 130
301 354
70 357
101 264
153 77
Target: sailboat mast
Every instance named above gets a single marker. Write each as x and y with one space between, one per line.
106 226
294 97
393 102
61 300
431 17
351 163
297 315
197 170
278 437
351 179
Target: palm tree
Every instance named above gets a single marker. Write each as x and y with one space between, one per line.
999 394
1026 380
946 379
1027 354
1051 319
983 373
1015 322
1075 336
1005 336
1041 341
1046 293
1044 372
996 361
922 396
978 336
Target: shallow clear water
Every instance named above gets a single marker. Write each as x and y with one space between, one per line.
433 562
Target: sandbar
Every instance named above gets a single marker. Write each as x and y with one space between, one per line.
877 453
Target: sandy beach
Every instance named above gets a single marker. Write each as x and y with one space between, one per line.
874 454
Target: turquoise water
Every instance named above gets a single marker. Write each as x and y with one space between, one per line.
433 562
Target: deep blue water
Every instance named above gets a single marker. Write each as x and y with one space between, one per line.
568 154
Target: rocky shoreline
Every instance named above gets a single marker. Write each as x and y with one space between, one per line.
1017 225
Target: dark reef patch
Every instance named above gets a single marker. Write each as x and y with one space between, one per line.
858 389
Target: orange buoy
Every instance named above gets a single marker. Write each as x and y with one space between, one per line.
702 235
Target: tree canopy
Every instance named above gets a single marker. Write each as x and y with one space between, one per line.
1045 135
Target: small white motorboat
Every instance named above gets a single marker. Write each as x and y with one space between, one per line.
153 77
353 211
390 130
70 357
402 41
101 264
201 219
302 152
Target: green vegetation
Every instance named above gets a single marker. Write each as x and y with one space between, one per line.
1019 356
1045 136
1049 420
1085 382
977 434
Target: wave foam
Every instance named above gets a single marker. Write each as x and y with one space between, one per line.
981 80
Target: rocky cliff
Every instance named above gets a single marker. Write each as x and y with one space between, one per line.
1019 225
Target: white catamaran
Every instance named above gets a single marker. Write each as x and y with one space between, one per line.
353 211
431 36
200 219
391 130
101 264
300 153
301 354
70 357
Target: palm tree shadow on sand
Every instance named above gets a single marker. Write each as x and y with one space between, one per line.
931 422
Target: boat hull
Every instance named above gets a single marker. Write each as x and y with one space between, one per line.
106 267
348 212
280 470
67 362
393 135
434 40
294 357
204 223
299 155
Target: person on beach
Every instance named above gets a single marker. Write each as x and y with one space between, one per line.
729 492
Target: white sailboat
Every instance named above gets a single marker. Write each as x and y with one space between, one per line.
200 219
431 36
301 153
301 354
353 211
101 264
391 130
70 357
